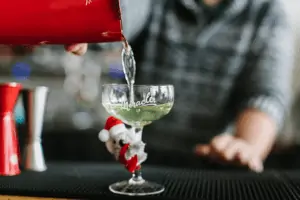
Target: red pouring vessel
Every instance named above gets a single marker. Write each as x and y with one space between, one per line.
9 148
60 21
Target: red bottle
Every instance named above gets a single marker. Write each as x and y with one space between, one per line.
60 21
9 148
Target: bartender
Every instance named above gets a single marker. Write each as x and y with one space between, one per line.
230 62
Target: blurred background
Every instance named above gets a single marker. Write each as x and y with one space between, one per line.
74 114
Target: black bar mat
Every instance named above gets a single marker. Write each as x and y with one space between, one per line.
90 181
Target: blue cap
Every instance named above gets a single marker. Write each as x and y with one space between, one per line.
21 71
116 71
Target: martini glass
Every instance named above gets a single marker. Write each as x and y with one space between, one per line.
149 103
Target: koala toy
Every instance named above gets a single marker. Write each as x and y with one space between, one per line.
123 143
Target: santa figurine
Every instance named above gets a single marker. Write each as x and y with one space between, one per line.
123 143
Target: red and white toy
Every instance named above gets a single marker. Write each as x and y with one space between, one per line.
123 143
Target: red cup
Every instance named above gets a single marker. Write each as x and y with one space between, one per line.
33 22
9 147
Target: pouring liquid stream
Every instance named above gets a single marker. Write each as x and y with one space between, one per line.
129 68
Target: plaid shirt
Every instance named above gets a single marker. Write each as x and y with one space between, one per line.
220 62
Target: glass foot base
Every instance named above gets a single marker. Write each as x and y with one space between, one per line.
143 188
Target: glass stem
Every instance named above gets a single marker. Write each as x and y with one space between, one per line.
138 132
137 175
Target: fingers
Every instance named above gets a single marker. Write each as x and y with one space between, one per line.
229 149
220 143
241 153
256 164
217 146
203 150
77 49
236 150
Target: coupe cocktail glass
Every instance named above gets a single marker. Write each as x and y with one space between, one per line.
149 103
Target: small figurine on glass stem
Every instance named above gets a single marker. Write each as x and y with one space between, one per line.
126 146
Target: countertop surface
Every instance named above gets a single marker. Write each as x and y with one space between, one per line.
3 197
91 180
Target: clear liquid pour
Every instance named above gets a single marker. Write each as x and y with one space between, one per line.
129 68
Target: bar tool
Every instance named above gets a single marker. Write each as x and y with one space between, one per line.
9 147
34 100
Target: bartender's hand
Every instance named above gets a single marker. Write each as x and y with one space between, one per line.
254 138
230 149
77 49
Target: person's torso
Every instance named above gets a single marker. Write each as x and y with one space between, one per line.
202 57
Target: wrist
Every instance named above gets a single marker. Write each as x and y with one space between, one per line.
257 129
